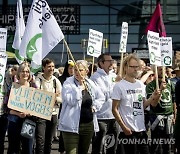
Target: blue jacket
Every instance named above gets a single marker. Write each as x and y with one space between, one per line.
71 104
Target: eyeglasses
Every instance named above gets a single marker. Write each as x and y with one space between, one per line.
134 67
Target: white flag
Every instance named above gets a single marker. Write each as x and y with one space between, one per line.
42 33
20 27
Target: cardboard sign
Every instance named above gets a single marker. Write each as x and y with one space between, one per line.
94 43
3 39
154 48
166 51
124 36
3 61
31 100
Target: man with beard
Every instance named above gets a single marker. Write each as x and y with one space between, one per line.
45 128
107 125
128 108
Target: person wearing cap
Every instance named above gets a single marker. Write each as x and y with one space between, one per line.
68 72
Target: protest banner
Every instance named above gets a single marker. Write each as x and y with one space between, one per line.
20 28
123 44
3 39
166 51
154 48
41 35
94 43
3 61
31 101
124 37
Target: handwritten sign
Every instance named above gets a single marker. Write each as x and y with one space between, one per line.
94 43
124 36
30 100
166 51
3 61
154 48
3 39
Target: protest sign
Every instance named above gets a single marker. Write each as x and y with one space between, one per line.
166 51
124 36
154 48
94 43
3 61
31 100
3 39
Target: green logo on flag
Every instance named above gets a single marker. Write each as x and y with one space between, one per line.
1 78
31 47
18 55
34 70
167 60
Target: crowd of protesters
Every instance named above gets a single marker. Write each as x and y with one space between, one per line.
116 113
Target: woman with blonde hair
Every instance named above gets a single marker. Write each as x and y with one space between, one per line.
17 118
81 99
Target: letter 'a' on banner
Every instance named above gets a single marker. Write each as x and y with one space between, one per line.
94 43
42 33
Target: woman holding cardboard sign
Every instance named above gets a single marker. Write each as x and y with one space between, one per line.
17 118
80 100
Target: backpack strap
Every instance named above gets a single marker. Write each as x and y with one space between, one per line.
54 84
40 83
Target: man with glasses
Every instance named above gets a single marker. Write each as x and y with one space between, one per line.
128 108
105 140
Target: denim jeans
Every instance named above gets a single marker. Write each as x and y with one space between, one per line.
105 141
44 134
3 128
79 143
15 139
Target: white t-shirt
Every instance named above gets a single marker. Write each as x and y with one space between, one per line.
131 103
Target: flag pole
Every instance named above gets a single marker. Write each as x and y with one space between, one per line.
70 54
92 66
156 75
121 65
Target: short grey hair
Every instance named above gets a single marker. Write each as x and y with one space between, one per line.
82 62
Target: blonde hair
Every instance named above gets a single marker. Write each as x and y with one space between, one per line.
21 68
126 61
84 63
